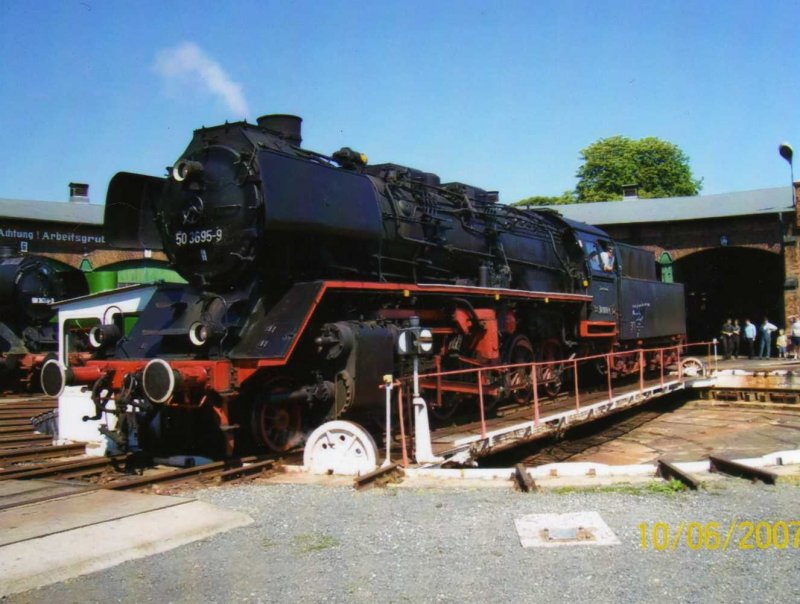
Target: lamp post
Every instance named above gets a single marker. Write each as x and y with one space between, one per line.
787 153
789 283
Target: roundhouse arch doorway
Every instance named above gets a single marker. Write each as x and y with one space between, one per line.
740 283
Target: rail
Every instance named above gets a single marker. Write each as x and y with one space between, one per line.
661 366
82 468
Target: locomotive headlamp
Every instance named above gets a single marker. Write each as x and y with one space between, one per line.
102 336
425 341
405 342
202 333
415 340
183 168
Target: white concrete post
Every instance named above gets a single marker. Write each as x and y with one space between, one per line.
422 432
388 381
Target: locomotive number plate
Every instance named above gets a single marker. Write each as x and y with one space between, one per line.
199 236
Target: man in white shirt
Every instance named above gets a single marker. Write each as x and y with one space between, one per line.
765 348
607 259
749 337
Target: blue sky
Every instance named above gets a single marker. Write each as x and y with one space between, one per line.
502 95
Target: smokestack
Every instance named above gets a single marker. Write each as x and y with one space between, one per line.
288 127
78 192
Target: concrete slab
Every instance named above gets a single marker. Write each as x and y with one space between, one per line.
75 511
15 487
557 530
20 492
49 559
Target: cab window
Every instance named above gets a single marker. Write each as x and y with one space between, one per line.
600 255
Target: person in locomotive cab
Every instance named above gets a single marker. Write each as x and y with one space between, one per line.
607 259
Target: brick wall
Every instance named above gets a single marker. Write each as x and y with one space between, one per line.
682 238
101 258
766 232
791 260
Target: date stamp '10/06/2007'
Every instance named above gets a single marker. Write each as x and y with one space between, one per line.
713 536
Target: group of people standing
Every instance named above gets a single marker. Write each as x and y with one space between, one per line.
739 340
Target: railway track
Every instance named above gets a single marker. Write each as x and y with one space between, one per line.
25 455
17 412
34 453
14 440
126 472
218 472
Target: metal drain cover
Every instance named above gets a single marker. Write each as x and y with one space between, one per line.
551 530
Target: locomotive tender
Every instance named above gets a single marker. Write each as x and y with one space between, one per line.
303 268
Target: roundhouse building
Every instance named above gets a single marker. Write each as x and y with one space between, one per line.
737 253
71 232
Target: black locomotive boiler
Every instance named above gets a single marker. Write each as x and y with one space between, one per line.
303 268
29 284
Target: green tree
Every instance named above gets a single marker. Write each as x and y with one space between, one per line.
543 200
658 168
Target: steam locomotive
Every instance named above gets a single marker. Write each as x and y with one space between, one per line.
29 284
303 269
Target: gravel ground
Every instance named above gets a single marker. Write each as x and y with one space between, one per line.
332 544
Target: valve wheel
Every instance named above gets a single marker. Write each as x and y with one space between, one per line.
340 447
693 367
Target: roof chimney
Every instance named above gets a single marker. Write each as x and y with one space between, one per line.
78 192
630 191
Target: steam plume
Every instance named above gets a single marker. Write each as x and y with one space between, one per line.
188 62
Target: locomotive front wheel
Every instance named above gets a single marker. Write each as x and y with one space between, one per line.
340 447
277 425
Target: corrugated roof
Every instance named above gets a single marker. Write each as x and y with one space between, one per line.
52 211
741 203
